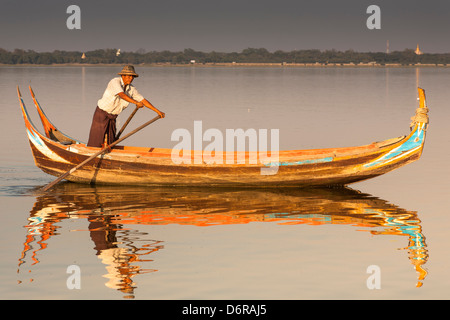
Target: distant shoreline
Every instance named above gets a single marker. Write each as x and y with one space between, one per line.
250 57
236 64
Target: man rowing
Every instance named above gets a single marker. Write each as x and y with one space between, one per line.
118 95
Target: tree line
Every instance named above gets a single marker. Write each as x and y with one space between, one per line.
249 55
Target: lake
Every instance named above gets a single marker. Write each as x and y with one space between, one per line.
384 238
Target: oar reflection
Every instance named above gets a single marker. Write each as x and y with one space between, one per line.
112 212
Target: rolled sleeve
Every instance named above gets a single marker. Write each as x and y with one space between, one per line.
135 94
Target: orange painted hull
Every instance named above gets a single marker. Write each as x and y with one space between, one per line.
56 153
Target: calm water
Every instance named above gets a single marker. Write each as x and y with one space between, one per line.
163 243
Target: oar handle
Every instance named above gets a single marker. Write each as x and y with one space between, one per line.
127 122
99 153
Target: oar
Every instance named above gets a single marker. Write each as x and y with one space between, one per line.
51 184
126 123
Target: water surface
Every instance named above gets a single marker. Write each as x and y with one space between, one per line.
165 243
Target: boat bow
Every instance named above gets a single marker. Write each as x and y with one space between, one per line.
413 143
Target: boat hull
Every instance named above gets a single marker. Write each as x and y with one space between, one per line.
108 170
152 166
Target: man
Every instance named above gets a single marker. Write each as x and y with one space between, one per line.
118 95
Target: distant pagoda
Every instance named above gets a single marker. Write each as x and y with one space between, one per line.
418 52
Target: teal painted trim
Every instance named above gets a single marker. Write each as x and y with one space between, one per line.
415 141
34 138
295 163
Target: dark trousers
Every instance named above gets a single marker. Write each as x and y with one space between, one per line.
103 123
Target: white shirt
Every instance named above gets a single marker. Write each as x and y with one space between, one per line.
111 102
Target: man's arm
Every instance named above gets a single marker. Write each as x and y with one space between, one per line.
125 97
141 103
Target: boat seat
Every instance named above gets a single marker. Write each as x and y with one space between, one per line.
57 136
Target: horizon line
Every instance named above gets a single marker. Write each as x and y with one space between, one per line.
144 51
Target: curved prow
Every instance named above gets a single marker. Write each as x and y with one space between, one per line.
422 99
421 116
30 127
50 130
26 117
48 126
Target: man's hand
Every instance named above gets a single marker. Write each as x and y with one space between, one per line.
146 103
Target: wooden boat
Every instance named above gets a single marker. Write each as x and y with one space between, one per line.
56 153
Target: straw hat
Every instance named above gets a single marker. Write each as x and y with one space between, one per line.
128 71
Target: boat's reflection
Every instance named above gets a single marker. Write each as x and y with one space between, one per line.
112 212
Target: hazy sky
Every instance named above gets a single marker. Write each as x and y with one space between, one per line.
224 25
